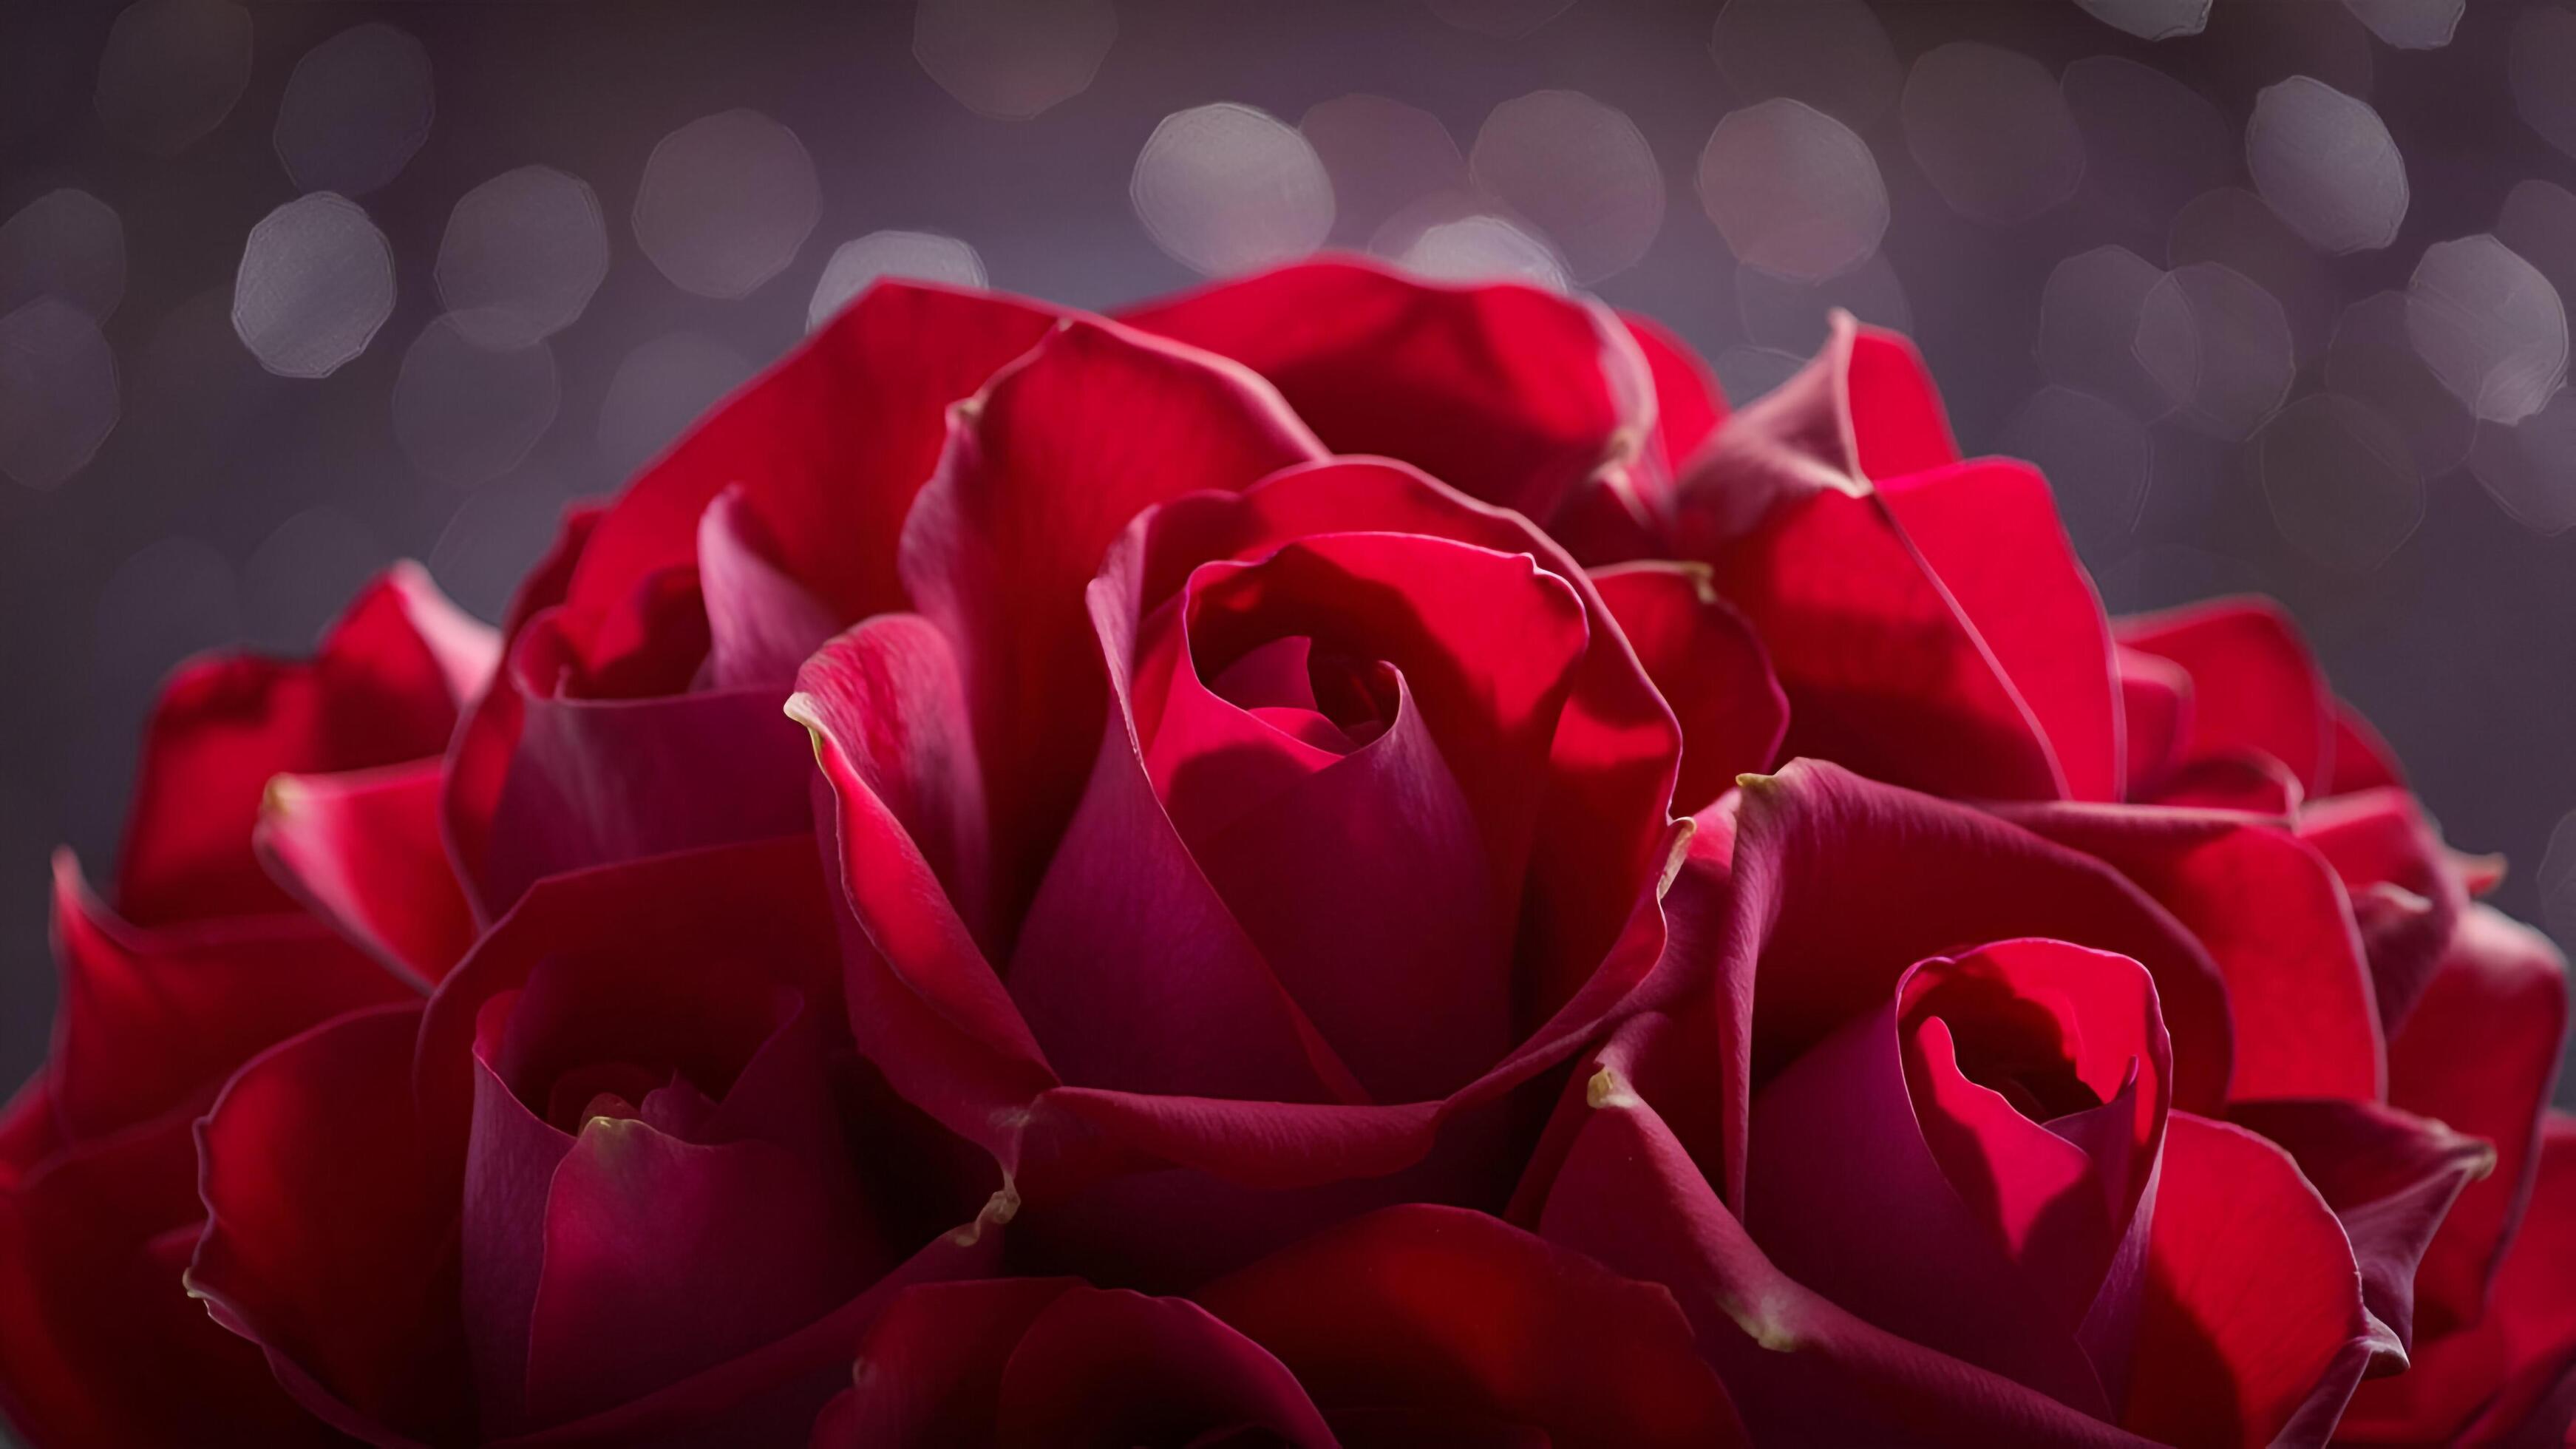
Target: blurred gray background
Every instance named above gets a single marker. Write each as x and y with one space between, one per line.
2270 288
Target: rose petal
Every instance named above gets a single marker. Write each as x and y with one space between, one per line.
1459 1314
2406 895
1801 1368
2510 1379
328 1240
2270 912
1047 467
2479 1054
384 687
1990 534
830 446
2389 1176
1798 959
1709 664
1510 393
2254 1330
155 1019
761 623
1688 404
2254 684
364 849
929 1373
1121 1368
2155 706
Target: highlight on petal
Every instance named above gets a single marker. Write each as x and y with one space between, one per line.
364 849
829 446
1709 664
2254 1329
1041 472
1512 394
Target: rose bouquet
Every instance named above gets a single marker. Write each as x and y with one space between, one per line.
1329 861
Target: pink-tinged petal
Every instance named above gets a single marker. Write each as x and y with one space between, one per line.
1510 393
761 622
722 766
2511 1378
2271 913
2406 893
1709 664
2254 1330
1041 472
829 446
2254 684
1800 1368
929 1372
1120 1368
384 687
2155 707
329 1241
363 850
152 1020
2362 760
2479 1055
1688 403
100 1343
1460 1315
1989 532
886 712
1853 1187
2389 1176
1797 959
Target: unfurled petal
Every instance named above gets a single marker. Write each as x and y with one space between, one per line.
328 1240
1711 667
2254 1330
2254 684
1510 393
364 849
1040 474
2479 1055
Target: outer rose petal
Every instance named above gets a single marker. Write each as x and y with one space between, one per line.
363 848
929 1372
1798 959
1709 664
2254 1331
830 445
99 1342
1510 393
2254 684
1458 1314
154 1020
2510 1378
350 1290
1040 473
2390 1177
385 687
2272 915
2479 1054
2155 706
1927 616
1801 1368
1688 405
2408 894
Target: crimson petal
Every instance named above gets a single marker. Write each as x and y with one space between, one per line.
364 849
1709 664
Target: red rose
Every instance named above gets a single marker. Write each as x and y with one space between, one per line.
1373 833
1413 1325
619 1178
207 961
